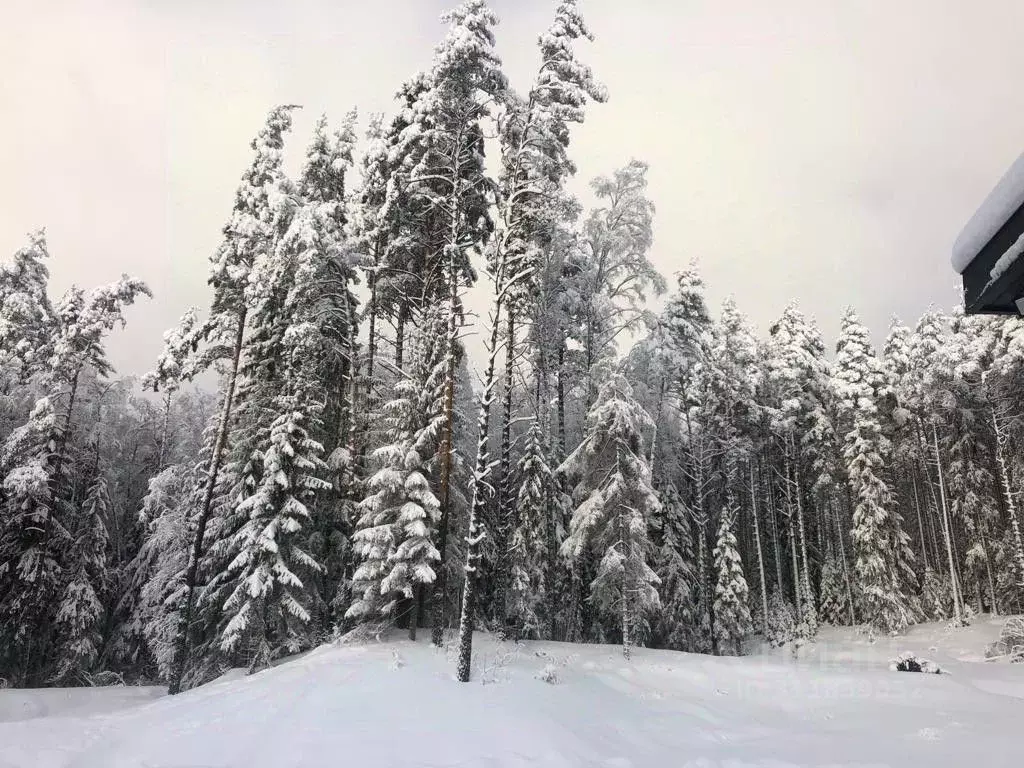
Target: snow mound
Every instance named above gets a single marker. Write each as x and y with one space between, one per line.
352 705
17 705
1002 201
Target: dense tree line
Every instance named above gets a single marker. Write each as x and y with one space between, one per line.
612 474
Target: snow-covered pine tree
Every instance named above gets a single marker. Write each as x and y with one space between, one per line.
61 350
883 566
797 379
26 315
926 396
616 273
534 135
683 340
615 502
732 612
446 195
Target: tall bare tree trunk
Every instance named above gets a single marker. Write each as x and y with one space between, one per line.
628 587
947 530
506 512
920 520
775 535
760 554
560 382
216 459
846 566
440 595
161 454
1011 507
481 473
806 582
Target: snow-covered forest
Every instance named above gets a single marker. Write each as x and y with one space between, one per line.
601 473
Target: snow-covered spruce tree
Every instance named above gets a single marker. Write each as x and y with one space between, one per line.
835 600
250 232
782 621
883 565
674 565
80 610
615 502
318 316
393 536
296 372
160 565
732 613
936 596
268 609
30 568
530 555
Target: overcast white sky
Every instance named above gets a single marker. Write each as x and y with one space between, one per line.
823 150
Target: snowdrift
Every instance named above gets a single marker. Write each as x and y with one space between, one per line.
395 704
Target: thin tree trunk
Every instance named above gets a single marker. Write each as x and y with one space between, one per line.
161 454
924 450
775 535
58 461
846 566
506 512
1011 507
561 400
793 543
760 554
958 610
415 611
920 521
988 568
479 480
628 588
400 337
803 533
447 447
797 584
216 458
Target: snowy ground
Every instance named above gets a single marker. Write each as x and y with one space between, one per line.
396 704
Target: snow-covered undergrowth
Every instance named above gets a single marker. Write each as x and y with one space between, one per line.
834 703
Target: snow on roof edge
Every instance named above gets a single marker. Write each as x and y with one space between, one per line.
1005 198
